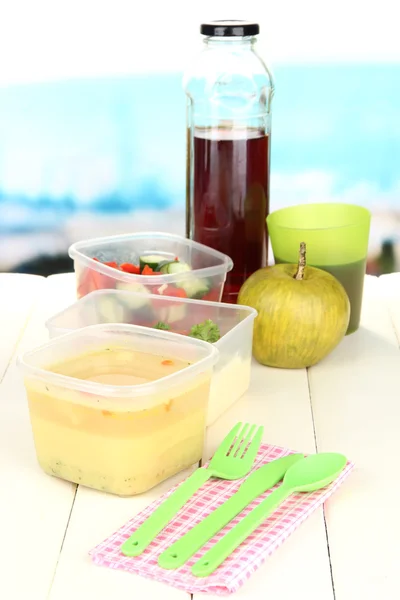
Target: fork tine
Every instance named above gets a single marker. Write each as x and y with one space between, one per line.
250 448
245 441
239 439
228 440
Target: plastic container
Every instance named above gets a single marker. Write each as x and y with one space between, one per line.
122 439
231 376
205 280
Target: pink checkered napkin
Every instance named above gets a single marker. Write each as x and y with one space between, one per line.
243 561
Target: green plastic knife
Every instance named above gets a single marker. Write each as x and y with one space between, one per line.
256 484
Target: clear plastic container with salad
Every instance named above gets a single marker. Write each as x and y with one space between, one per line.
118 408
150 262
229 327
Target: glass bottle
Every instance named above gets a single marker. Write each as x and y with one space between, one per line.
229 92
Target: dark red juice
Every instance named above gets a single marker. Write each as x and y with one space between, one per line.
231 199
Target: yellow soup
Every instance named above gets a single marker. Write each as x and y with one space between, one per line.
122 445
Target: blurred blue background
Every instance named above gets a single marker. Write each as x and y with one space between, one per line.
97 155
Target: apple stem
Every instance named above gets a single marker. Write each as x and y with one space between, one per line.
302 262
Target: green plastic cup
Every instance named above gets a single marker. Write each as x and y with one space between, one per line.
336 237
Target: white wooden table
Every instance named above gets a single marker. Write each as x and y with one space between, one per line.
350 403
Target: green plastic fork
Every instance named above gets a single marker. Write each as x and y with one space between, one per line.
233 460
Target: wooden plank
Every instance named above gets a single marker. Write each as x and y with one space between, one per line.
94 517
61 291
18 293
280 401
34 508
355 402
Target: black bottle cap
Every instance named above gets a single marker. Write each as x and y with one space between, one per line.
229 28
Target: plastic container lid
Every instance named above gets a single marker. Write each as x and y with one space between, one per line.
85 312
202 355
219 263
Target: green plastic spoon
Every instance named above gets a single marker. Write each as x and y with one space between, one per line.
307 475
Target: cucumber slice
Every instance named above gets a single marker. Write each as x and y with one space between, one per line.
195 288
111 311
152 260
162 264
170 268
173 313
133 302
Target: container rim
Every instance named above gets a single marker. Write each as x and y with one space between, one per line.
365 216
118 391
74 251
85 299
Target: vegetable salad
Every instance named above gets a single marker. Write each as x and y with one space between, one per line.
147 266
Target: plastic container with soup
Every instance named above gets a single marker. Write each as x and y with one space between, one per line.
118 408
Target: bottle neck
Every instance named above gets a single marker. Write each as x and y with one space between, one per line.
242 43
